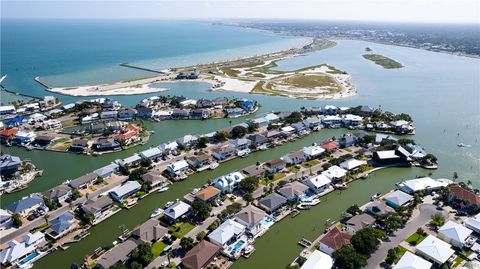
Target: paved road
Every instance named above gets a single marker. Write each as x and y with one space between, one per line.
423 215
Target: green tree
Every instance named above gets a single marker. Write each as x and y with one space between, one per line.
348 258
437 219
353 209
186 243
143 254
17 220
202 142
76 194
50 203
221 135
214 225
238 132
294 117
138 173
392 255
118 266
135 265
391 221
145 163
249 184
201 210
201 235
248 197
367 240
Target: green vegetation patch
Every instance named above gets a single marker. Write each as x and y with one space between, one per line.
383 61
312 81
415 239
180 229
310 163
158 247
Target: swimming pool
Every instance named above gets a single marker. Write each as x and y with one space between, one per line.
267 222
30 257
237 246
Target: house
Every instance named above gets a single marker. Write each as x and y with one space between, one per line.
106 171
204 103
347 140
296 157
187 141
60 226
7 110
51 125
272 118
293 191
228 232
198 161
378 208
106 144
434 250
454 233
43 140
79 145
240 144
403 127
98 206
84 181
412 261
351 120
26 205
272 135
151 154
9 164
257 140
168 147
227 183
329 110
386 157
275 166
118 254
23 138
176 211
150 231
127 189
473 223
131 161
58 194
318 260
380 137
177 168
260 122
153 178
129 135
318 184
427 184
144 112
16 251
200 114
358 222
223 152
200 255
8 134
251 217
330 146
397 199
335 173
127 113
287 130
313 152
463 199
90 118
332 121
253 171
334 240
108 115
6 220
180 114
208 194
272 202
352 164
234 112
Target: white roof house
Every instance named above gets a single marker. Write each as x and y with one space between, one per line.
412 261
228 182
16 250
125 190
397 199
435 249
313 151
454 233
473 223
318 260
151 153
351 164
226 231
129 160
335 172
319 181
271 117
424 183
178 166
287 129
177 210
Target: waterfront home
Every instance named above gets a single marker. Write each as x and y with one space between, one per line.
108 115
427 184
9 164
272 135
397 156
118 254
332 121
227 183
272 202
200 114
188 103
378 208
463 199
151 154
168 147
219 101
260 122
84 181
16 251
296 157
329 110
252 218
334 240
36 117
293 191
223 152
454 233
96 207
240 144
180 114
107 171
412 261
51 125
418 152
434 250
7 110
287 130
24 138
312 122
473 223
177 211
187 141
253 171
198 161
8 134
330 146
347 140
144 112
358 222
313 152
272 118
90 118
129 135
274 166
227 233
352 164
207 194
106 144
131 161
351 120
127 113
403 126
200 255
67 106
398 198
60 226
6 220
318 184
127 189
26 205
59 193
43 140
257 140
96 128
150 231
204 103
380 137
234 112
177 168
335 173
318 260
153 178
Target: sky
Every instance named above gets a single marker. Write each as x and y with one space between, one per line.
424 11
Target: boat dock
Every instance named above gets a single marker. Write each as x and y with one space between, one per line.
305 243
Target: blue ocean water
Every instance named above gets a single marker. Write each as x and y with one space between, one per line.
79 52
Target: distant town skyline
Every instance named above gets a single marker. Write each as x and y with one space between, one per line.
421 11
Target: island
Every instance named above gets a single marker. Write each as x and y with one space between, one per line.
383 61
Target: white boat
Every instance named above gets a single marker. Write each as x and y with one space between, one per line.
2 78
156 213
341 186
375 196
213 166
164 189
462 145
169 204
195 191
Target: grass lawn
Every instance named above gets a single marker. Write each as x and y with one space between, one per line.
402 251
179 230
276 176
457 261
158 247
292 169
310 163
415 239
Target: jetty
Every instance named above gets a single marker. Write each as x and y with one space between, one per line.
141 68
